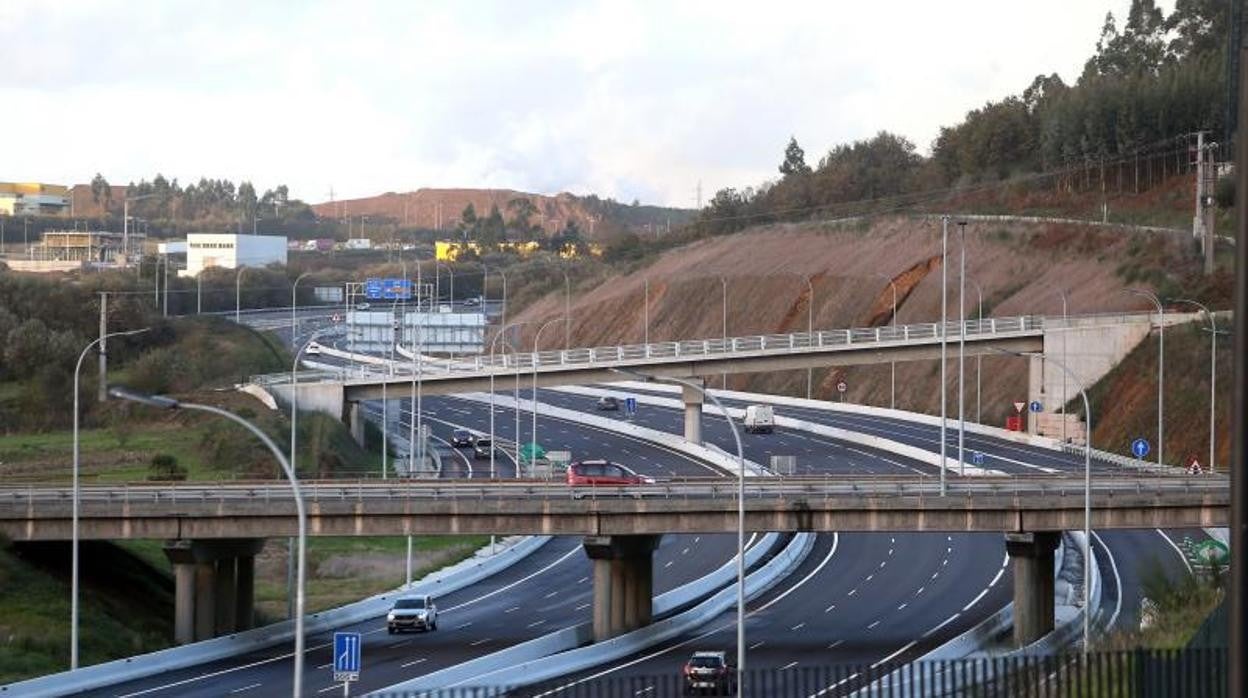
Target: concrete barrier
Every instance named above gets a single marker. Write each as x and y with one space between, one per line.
438 583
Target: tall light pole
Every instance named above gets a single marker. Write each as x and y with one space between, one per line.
1161 366
238 294
537 338
962 348
125 222
892 391
493 441
810 323
169 403
299 347
736 437
567 310
944 314
1065 331
645 313
723 281
1213 376
73 577
979 291
294 308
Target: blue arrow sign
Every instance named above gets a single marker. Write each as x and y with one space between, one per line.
1140 448
630 405
977 458
1035 406
346 656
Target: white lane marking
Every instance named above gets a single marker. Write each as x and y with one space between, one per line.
325 666
510 610
246 688
400 644
553 593
883 563
872 626
852 592
869 577
834 645
647 689
799 626
947 621
697 538
582 580
1178 551
1113 565
902 607
790 665
975 600
668 564
920 591
756 645
536 623
892 656
482 641
461 627
582 607
331 687
685 551
412 663
518 582
829 608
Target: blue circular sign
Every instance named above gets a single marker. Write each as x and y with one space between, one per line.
1036 406
977 458
1140 448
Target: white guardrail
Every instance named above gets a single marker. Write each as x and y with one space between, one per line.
439 583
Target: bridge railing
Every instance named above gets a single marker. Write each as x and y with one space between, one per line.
632 354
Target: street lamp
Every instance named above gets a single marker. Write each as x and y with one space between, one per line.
1065 331
944 347
979 290
645 314
168 403
892 393
810 323
73 601
723 282
1087 487
961 348
294 307
736 436
238 279
125 222
1213 373
1161 365
502 332
537 338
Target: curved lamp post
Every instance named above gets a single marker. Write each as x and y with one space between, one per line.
493 442
73 599
1161 365
169 403
892 392
1213 375
537 338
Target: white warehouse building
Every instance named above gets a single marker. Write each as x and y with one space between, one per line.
231 251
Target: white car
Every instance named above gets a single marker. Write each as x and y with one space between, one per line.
412 613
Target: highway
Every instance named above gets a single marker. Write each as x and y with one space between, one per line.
545 592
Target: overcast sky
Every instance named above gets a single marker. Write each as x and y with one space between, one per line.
622 99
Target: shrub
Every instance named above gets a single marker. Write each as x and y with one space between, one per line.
165 467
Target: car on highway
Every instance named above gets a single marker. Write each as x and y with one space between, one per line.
709 673
461 438
606 403
596 473
363 306
482 446
412 613
472 302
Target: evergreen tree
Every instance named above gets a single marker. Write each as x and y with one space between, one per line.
794 160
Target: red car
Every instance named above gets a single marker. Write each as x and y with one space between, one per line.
601 472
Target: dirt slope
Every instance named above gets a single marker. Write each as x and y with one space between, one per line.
1020 268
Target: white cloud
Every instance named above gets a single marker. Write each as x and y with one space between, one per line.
616 98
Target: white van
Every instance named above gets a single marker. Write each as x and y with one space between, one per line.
759 419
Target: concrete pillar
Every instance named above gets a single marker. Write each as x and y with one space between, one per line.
623 582
226 595
1035 392
245 596
184 603
1031 556
693 412
355 421
205 600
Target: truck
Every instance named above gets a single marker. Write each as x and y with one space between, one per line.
759 419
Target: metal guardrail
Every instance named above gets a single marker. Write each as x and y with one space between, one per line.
633 354
20 498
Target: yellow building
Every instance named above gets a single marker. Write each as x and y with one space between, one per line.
447 251
33 198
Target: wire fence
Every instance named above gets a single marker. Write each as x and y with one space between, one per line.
1186 673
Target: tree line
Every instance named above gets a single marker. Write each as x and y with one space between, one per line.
1152 79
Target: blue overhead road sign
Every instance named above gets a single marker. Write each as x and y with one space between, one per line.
1140 448
346 656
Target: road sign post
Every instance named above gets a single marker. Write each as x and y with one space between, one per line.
1036 406
841 387
630 407
1140 448
346 659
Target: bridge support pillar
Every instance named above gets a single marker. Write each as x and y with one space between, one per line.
623 582
355 421
1031 556
214 586
693 412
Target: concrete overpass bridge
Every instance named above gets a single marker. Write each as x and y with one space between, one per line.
1093 344
214 530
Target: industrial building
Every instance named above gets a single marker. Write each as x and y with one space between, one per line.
33 199
67 250
231 251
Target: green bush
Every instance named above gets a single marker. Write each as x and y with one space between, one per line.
165 467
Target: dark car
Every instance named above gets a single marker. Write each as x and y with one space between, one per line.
595 473
607 403
461 438
482 447
710 673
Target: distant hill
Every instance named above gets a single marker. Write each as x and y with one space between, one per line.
441 209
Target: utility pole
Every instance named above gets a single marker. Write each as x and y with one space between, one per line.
103 346
1237 592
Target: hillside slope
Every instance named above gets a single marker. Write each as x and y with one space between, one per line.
1020 267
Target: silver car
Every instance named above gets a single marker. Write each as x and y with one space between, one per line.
412 613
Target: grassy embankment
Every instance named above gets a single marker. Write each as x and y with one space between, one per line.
127 589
